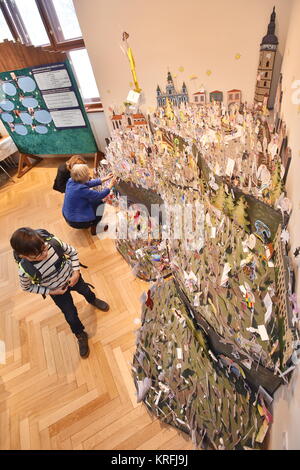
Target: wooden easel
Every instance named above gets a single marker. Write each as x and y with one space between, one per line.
25 164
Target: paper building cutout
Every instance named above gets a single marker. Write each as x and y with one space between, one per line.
128 120
175 98
234 96
216 96
265 70
199 97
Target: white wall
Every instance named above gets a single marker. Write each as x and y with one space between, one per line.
99 128
198 35
287 399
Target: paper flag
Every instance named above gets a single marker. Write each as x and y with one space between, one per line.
143 388
179 353
263 332
285 236
229 167
197 299
268 304
262 431
224 277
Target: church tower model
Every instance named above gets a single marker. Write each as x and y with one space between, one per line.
267 54
171 94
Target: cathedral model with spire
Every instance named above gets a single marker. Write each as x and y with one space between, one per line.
171 93
267 54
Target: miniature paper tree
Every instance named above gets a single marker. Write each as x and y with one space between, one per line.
240 215
276 175
229 205
276 193
277 185
220 198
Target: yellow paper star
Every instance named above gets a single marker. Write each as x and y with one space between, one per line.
181 69
237 56
193 77
208 72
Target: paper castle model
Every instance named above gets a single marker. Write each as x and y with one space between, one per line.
171 94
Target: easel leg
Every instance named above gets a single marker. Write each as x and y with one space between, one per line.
25 164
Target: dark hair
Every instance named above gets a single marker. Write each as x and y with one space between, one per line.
26 241
73 160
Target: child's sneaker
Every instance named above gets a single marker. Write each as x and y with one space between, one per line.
84 349
101 305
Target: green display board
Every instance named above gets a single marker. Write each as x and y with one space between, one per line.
43 112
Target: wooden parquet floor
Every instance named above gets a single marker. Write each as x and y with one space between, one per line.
49 397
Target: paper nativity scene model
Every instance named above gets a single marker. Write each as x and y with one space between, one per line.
221 333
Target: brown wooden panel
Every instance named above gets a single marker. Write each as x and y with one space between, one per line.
16 56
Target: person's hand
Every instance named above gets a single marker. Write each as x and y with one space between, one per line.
107 177
60 291
74 278
113 182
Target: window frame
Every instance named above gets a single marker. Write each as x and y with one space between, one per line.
10 22
51 24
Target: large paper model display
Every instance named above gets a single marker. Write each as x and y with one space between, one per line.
232 276
221 335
